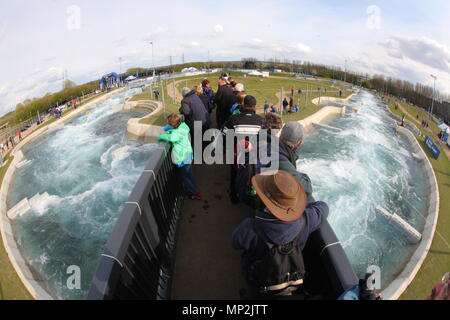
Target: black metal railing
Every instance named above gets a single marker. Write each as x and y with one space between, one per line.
137 261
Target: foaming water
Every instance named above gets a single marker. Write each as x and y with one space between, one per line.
358 169
83 173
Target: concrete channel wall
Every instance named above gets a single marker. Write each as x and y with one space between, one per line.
333 99
394 290
34 285
320 116
138 130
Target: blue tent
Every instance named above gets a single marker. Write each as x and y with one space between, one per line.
110 80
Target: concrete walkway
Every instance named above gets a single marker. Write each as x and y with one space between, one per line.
206 267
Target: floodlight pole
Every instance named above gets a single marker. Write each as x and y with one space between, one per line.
306 95
120 68
345 71
153 61
434 92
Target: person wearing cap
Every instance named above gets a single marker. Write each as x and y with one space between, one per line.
286 215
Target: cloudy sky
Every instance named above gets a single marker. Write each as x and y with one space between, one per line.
40 39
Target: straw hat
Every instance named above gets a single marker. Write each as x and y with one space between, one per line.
281 193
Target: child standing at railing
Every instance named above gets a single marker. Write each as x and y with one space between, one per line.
177 133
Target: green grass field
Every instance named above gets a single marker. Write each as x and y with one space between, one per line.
264 89
437 262
11 287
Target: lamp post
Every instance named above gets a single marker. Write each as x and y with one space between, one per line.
153 61
434 90
345 72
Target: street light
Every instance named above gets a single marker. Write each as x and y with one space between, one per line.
153 62
345 72
434 90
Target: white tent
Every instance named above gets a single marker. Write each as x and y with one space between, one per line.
190 69
444 127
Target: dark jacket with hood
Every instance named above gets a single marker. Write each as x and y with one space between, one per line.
193 109
224 99
279 232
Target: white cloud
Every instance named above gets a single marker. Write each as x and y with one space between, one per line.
160 31
218 29
191 44
32 86
120 42
2 32
288 48
422 50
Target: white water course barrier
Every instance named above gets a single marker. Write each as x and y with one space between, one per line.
19 209
327 127
400 224
23 163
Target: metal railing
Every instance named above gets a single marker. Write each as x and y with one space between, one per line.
137 262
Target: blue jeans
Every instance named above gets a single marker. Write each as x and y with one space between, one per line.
187 177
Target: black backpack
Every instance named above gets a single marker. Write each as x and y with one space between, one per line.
280 269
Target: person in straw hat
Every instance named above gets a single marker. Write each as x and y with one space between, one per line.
285 216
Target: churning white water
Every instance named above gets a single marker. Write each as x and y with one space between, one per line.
78 180
354 171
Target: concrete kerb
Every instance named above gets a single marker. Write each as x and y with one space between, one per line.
394 290
321 116
333 99
34 286
136 129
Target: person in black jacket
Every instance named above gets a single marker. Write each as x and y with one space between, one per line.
193 109
285 104
248 119
224 99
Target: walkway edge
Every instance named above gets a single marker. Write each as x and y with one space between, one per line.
35 287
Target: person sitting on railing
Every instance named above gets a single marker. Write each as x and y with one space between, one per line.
177 133
284 221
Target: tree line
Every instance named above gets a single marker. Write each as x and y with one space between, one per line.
30 107
416 94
